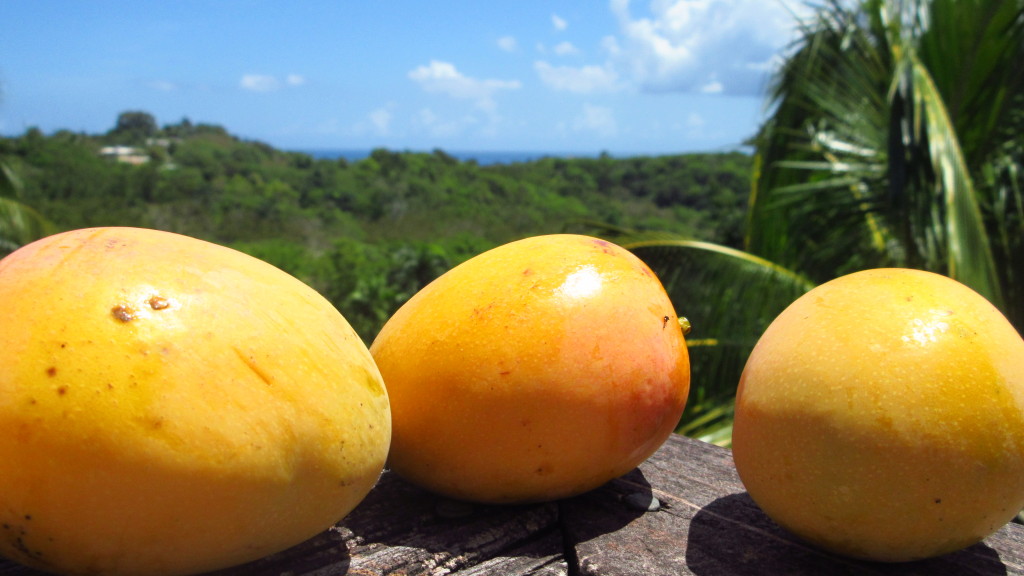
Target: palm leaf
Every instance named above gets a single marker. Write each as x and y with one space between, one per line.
966 247
19 223
1003 178
862 164
815 205
973 51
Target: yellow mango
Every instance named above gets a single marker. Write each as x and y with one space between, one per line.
881 416
170 406
534 371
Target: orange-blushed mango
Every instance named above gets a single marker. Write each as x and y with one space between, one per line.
537 370
170 406
881 416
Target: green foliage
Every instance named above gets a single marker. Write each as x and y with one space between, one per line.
368 234
19 223
133 128
368 282
886 120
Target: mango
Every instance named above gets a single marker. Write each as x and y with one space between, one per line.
169 406
881 416
534 371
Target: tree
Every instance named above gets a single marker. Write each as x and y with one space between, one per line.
134 127
893 140
886 119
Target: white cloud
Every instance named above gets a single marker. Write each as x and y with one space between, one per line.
558 22
163 86
582 80
709 46
259 83
442 77
712 87
433 124
599 119
427 117
508 43
327 126
380 119
693 126
566 49
611 46
268 83
378 122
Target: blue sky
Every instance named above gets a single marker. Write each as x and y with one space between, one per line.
580 76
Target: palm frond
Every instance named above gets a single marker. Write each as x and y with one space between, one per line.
973 51
878 115
814 206
959 221
1002 178
10 183
710 422
19 223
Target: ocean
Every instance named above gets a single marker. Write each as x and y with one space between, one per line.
482 158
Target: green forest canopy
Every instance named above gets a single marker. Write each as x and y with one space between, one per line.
366 234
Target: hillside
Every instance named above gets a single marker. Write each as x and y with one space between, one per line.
366 234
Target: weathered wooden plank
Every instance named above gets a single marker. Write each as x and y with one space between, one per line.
540 558
707 525
611 536
400 529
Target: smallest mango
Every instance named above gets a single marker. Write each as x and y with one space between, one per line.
537 370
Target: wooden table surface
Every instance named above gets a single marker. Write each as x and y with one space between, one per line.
706 525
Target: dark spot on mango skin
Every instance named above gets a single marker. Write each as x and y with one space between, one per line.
123 313
158 303
606 247
16 536
51 371
62 390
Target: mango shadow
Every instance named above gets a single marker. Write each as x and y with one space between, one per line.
731 536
